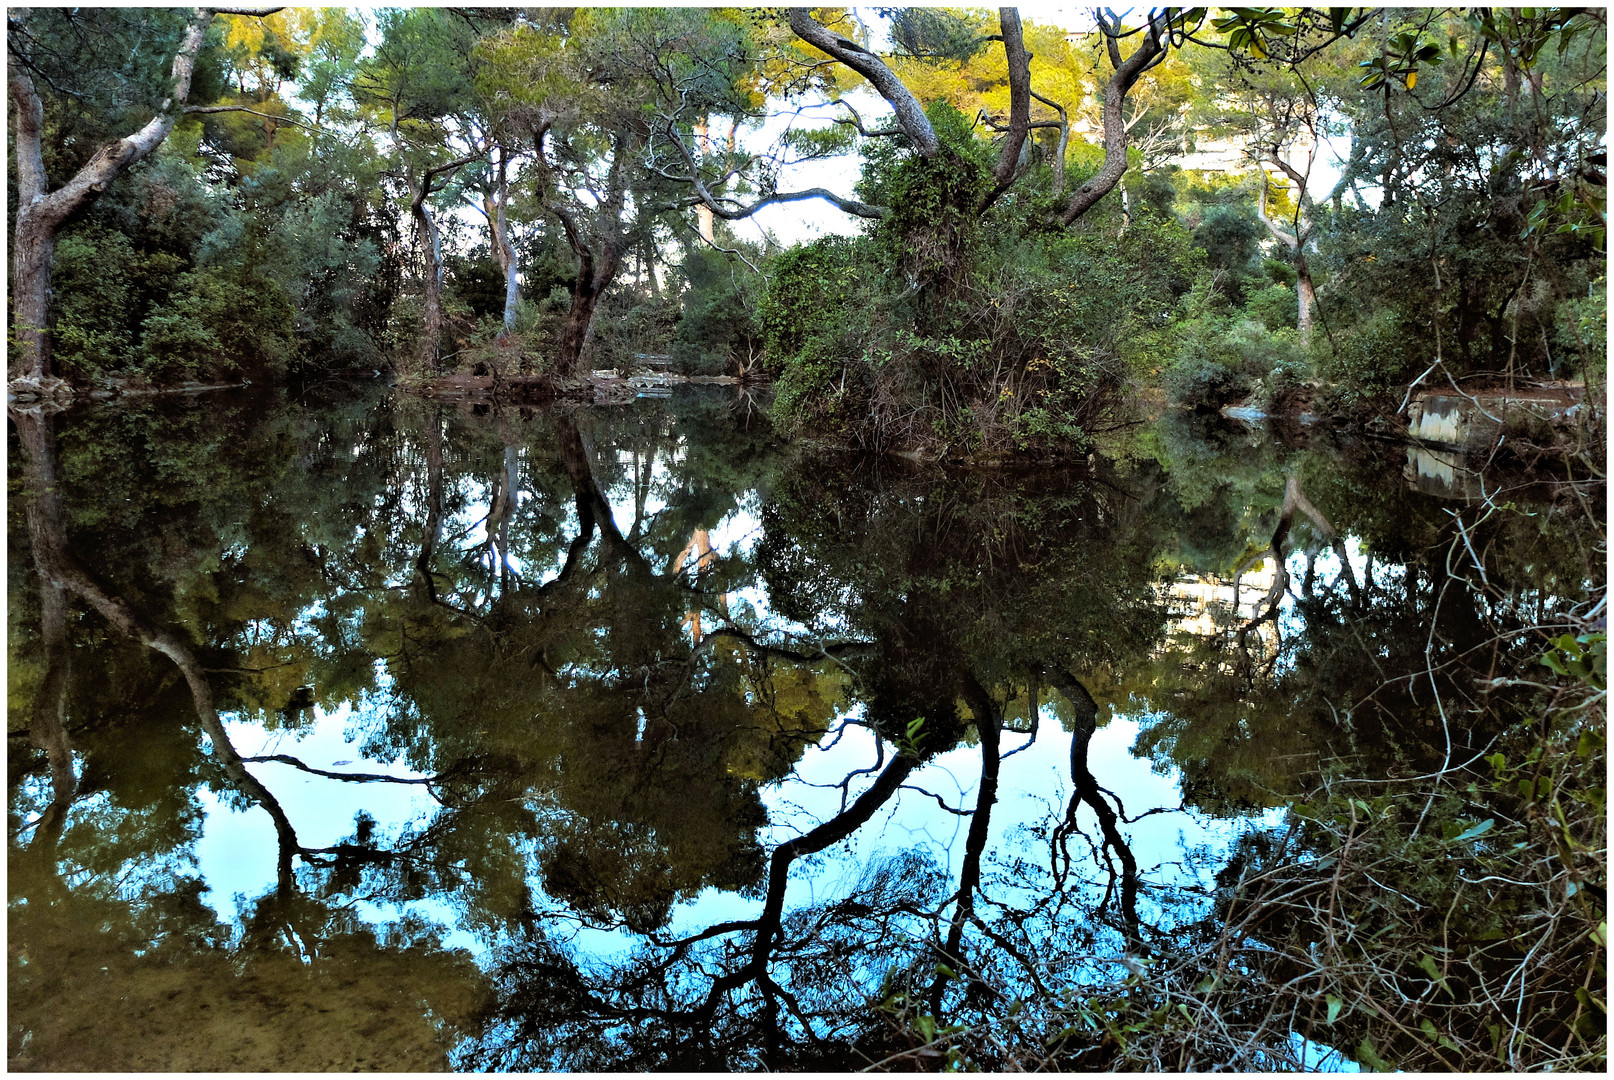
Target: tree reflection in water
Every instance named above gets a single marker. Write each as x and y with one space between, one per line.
606 645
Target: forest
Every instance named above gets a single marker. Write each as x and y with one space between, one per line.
759 539
1395 197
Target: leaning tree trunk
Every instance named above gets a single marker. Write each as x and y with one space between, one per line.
41 213
1150 51
599 252
585 299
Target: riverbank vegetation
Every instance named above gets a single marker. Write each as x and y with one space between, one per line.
1306 210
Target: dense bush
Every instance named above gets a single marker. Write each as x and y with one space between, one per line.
718 331
965 333
1366 362
172 277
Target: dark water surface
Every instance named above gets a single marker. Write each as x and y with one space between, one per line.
357 732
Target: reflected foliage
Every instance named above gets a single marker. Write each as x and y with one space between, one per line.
675 704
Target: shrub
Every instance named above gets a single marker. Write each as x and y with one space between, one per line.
718 328
1365 362
1274 307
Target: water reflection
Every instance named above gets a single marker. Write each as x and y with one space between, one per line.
646 716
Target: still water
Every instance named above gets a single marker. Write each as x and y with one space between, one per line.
351 731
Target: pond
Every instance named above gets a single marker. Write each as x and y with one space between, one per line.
353 731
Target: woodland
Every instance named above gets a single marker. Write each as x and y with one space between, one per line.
1407 196
406 672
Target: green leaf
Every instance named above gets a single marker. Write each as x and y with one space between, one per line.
1334 1007
1370 1057
1478 830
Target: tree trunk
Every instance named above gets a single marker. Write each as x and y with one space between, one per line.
498 221
1019 64
41 213
431 322
1308 302
703 214
1148 52
910 114
575 334
431 329
599 252
33 253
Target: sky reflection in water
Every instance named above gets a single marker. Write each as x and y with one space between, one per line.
677 655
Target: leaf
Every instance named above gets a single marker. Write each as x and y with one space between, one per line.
1430 968
1334 1007
1477 830
1600 935
1412 79
1370 1057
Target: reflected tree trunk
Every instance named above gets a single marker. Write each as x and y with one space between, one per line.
48 729
768 924
59 569
1087 791
989 726
433 528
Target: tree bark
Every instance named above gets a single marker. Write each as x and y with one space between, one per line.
1307 293
1148 53
910 114
704 219
1295 241
495 206
431 326
42 213
599 249
1019 61
1064 143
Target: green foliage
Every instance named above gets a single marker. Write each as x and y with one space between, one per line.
809 290
1368 361
933 201
718 328
1204 371
94 266
1279 272
1231 236
1274 307
209 325
1582 331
